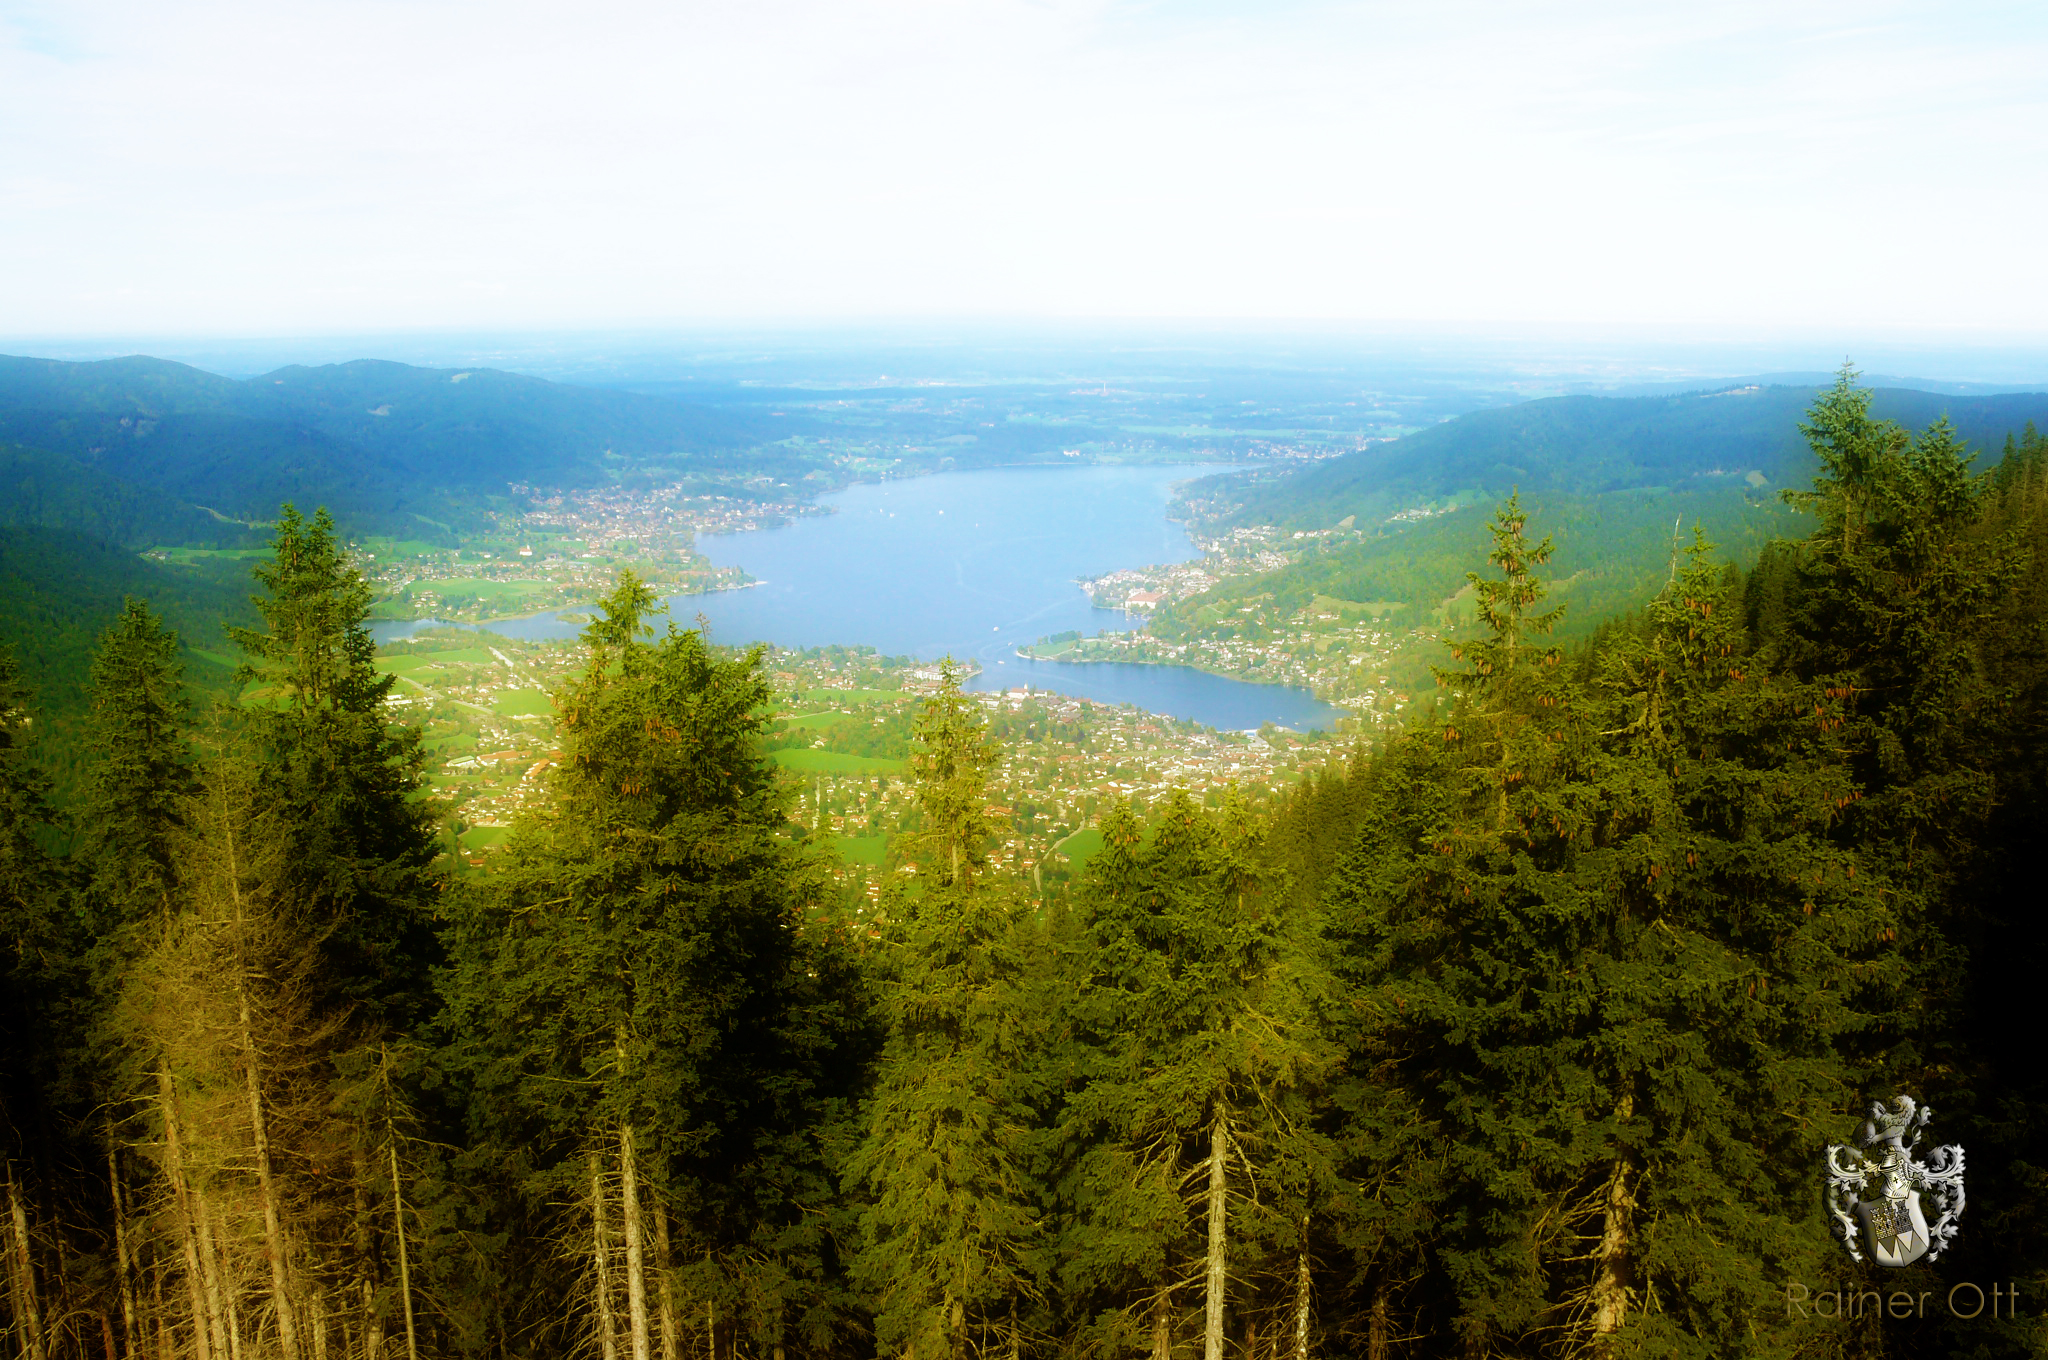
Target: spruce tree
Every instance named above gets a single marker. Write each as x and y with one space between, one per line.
345 781
288 939
653 1024
141 776
1913 610
38 987
1198 1013
1756 967
1583 949
948 1229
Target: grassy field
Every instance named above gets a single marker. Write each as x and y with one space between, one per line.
522 703
399 547
861 849
453 656
484 837
1351 609
814 719
481 588
1081 847
856 696
807 761
194 554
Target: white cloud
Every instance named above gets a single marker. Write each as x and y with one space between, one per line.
308 164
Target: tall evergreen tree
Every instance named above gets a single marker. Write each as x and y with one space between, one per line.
1893 600
655 1025
140 779
1585 947
949 1231
38 952
1198 1012
287 939
1916 609
344 779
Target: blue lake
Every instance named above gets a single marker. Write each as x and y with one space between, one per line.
972 564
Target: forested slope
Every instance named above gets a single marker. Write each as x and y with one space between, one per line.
46 490
101 460
1591 446
1520 1033
382 444
1620 480
59 591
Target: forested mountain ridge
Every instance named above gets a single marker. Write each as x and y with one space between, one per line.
100 461
1617 478
59 591
380 443
40 489
482 427
1521 1033
1589 446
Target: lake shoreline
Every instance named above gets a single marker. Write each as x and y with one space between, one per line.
1024 654
976 565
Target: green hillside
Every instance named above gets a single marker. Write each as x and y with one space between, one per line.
482 427
46 490
135 386
384 445
1613 479
60 590
1708 443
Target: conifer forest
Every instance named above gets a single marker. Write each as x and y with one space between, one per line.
1519 1032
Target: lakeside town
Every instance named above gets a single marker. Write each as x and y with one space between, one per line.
566 548
841 733
483 701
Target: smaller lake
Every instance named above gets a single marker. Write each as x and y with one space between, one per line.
972 565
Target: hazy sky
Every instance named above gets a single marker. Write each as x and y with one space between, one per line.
213 166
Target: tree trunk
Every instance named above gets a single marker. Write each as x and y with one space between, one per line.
412 1344
1304 1296
316 1320
636 1265
266 1187
373 1328
1217 1273
1615 1268
181 1197
234 1317
366 1260
664 1273
1614 1262
219 1317
600 1245
166 1345
1162 1303
1376 1325
124 1267
21 1273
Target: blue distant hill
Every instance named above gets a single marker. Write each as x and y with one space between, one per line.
1588 446
1619 482
379 443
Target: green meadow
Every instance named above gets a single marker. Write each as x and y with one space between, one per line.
807 761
